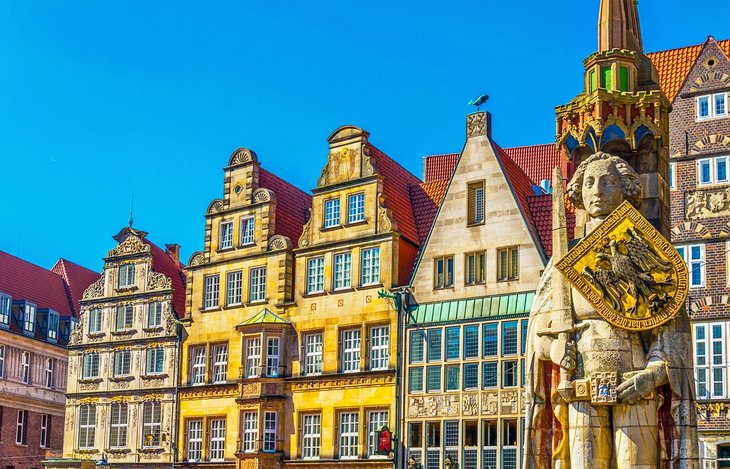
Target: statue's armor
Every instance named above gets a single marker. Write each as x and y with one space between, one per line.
602 347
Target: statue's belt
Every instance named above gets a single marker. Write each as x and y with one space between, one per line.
600 388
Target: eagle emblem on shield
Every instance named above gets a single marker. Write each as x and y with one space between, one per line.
628 271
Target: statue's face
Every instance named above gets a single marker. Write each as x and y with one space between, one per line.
601 191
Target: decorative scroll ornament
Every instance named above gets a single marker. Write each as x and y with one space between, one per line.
707 203
132 244
196 259
306 238
628 271
385 217
158 281
95 290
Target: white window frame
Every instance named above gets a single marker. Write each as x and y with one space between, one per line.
52 326
356 207
315 275
2 361
332 212
194 449
154 314
44 436
225 234
672 175
50 368
211 291
253 357
29 314
313 358
197 376
126 276
706 363
96 316
349 435
128 319
342 271
220 363
155 361
711 106
713 163
250 431
25 367
122 363
248 231
90 365
311 435
6 304
686 252
379 347
376 420
118 421
351 346
217 440
370 266
234 288
20 430
273 349
270 422
257 284
154 425
87 426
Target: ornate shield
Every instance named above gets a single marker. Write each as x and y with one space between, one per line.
628 271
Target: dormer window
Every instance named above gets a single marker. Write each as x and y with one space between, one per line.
226 236
126 276
6 302
29 318
247 233
331 213
711 106
52 326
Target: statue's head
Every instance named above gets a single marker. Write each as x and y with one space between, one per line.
602 182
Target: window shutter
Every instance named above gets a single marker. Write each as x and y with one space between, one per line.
471 204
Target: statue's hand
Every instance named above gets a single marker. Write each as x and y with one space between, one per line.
637 387
562 353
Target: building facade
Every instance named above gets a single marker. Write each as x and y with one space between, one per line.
123 360
38 310
464 342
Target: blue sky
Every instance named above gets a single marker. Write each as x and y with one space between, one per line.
102 100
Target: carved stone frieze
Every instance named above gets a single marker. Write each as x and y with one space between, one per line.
343 164
158 281
470 404
432 406
208 391
117 385
490 403
95 290
709 203
476 124
341 382
89 386
132 244
510 402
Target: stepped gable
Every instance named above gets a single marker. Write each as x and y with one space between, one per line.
537 161
292 205
439 167
674 65
77 279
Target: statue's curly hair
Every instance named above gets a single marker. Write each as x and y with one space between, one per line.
629 180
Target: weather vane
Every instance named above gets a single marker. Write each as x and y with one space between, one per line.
479 101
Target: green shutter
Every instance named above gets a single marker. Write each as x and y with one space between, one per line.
606 78
592 80
623 74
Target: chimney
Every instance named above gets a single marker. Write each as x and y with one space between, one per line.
479 124
173 250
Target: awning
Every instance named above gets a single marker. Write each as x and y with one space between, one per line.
487 307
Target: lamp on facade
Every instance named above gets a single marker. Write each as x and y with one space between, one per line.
102 463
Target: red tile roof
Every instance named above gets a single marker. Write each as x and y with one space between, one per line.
674 65
77 279
44 288
164 263
439 167
425 199
292 205
537 161
541 209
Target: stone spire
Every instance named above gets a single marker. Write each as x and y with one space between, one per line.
618 26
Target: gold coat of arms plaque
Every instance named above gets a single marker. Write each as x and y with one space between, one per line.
628 271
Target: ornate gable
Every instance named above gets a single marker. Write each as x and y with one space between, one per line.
349 157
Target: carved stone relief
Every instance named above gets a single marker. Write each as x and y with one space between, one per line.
470 404
279 243
216 206
158 281
385 218
510 402
342 165
431 406
242 156
131 245
708 203
95 290
476 124
263 195
196 259
306 238
490 403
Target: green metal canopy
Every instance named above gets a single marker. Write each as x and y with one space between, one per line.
265 316
487 307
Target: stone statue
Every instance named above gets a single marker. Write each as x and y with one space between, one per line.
598 395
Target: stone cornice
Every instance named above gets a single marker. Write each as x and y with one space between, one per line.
208 391
342 380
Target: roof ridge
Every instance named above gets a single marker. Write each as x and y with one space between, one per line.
284 181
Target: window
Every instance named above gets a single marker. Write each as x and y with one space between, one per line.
475 263
269 432
415 379
509 338
606 82
210 295
451 439
433 378
471 342
711 106
50 366
471 376
311 427
443 275
95 316
356 208
52 326
90 365
220 363
452 378
348 435
379 347
87 426
155 360
125 318
370 266
29 317
710 360
315 275
250 431
331 213
433 444
434 345
5 305
253 357
151 424
525 325
377 419
508 263
712 170
509 373
118 426
342 271
217 439
198 368
509 444
195 440
475 204
125 276
351 350
672 175
623 78
453 343
234 288
25 368
21 430
489 374
226 235
416 346
257 284
2 361
489 443
45 431
694 257
247 230
154 314
272 356
313 354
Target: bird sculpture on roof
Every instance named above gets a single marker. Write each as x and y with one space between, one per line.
479 101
